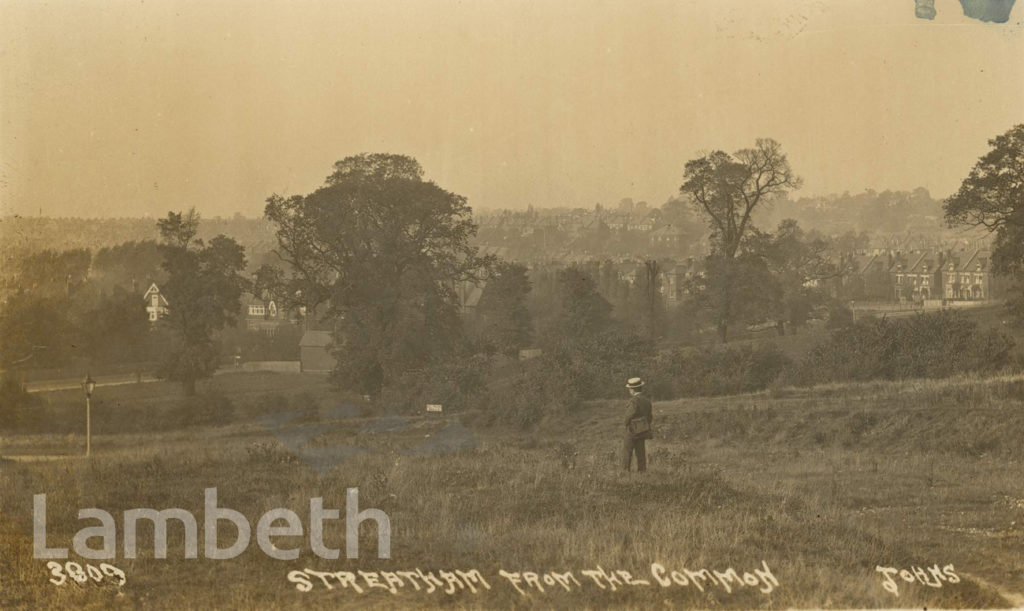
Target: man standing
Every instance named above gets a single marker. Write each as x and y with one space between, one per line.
638 425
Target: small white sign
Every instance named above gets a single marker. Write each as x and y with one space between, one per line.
433 408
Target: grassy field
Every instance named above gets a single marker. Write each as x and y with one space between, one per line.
822 485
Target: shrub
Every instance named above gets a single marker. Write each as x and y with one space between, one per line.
570 373
523 399
593 368
921 346
695 372
455 384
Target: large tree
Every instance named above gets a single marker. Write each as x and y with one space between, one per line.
382 249
736 291
726 190
799 264
53 273
116 328
38 321
35 331
130 265
203 288
505 320
646 306
584 313
992 197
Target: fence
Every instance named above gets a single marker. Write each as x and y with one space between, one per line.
279 366
905 309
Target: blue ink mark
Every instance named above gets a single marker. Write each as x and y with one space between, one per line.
345 410
321 459
997 11
453 438
276 421
385 424
298 436
924 9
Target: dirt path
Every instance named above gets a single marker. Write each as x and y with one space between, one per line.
73 383
40 457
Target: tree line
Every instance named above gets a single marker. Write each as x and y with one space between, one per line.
383 258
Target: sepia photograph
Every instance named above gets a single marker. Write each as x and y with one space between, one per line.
511 304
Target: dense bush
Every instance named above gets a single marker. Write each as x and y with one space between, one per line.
522 400
595 367
933 345
456 384
575 369
694 372
571 373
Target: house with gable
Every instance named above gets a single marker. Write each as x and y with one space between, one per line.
156 303
616 221
644 220
918 276
869 276
263 314
678 277
967 276
667 237
315 352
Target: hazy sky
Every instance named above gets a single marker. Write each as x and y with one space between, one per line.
134 108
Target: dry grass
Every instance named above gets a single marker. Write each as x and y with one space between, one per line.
823 484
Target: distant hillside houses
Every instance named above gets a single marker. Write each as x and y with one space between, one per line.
912 277
969 277
584 234
918 277
263 314
678 277
258 313
668 236
868 277
874 277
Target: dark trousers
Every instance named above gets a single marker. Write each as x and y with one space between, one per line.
634 446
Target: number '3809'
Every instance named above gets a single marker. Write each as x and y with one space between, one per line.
61 573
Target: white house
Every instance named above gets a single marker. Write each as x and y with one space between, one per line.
156 304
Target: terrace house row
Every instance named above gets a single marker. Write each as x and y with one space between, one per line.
923 275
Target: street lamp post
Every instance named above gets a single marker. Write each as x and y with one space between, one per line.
89 384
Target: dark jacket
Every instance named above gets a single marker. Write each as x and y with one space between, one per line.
639 406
